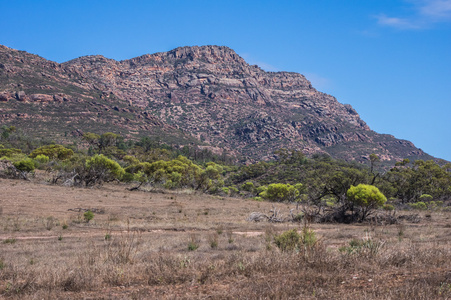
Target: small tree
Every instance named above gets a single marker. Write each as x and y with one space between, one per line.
98 169
366 198
281 192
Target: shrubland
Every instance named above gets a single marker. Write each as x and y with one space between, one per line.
163 225
332 190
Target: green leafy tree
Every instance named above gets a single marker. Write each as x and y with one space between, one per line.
98 169
366 197
108 139
410 181
92 139
280 192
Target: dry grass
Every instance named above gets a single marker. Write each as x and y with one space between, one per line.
138 249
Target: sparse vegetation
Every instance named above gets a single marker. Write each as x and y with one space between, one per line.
144 250
174 240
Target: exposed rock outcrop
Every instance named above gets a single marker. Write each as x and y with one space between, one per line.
208 92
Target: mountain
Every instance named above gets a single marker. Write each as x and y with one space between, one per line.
205 95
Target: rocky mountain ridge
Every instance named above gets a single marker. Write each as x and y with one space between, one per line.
207 92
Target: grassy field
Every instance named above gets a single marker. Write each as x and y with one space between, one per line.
184 245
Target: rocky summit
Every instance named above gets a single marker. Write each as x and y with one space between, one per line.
206 95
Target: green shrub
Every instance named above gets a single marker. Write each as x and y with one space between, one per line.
366 195
298 217
53 152
193 243
233 190
261 189
420 205
213 240
388 207
88 216
99 168
425 198
26 165
288 240
280 192
42 159
357 246
248 186
308 237
9 152
9 241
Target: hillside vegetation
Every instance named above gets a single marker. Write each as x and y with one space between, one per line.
320 182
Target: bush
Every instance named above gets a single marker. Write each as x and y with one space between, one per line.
53 152
88 216
425 197
357 246
388 207
42 159
26 165
248 186
98 169
193 243
281 192
225 190
420 205
308 237
288 240
9 152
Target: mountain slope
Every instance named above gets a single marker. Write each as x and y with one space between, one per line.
207 92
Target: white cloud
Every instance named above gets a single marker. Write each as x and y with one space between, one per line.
400 23
425 14
440 9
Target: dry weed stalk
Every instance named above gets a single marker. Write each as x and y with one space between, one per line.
123 250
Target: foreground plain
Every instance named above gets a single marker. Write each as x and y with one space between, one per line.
184 245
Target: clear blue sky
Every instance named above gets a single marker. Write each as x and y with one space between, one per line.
389 59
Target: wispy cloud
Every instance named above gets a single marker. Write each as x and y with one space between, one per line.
399 23
438 10
425 14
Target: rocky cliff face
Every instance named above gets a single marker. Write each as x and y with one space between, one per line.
208 92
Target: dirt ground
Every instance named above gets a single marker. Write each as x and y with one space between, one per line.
138 247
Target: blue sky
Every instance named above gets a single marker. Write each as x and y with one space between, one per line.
389 59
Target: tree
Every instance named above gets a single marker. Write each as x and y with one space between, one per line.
373 160
366 197
281 192
98 169
108 139
53 152
91 138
